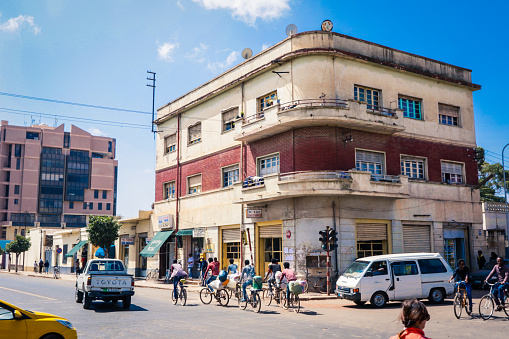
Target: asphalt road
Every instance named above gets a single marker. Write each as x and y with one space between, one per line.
153 316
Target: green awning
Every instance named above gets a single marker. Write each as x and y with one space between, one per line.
157 241
188 231
76 248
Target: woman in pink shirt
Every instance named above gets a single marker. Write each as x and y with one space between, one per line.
290 276
414 316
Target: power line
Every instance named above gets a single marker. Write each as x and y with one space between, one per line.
72 103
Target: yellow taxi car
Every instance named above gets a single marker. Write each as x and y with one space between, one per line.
18 323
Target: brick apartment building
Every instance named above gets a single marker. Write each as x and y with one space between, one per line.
53 180
372 141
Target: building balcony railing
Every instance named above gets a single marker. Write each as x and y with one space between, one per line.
350 114
323 183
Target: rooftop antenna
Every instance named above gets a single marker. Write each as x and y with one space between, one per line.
291 29
247 53
56 121
153 79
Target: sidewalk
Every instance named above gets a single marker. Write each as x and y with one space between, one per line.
192 284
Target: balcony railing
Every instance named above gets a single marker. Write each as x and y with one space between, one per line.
253 118
309 175
385 178
388 112
314 103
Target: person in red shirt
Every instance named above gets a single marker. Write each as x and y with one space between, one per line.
289 274
414 316
213 267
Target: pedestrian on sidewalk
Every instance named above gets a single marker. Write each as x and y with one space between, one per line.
77 267
46 267
190 265
414 316
41 264
203 270
35 266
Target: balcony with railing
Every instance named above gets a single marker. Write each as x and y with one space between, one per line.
323 183
281 117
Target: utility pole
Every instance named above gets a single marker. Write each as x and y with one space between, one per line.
25 214
153 79
506 208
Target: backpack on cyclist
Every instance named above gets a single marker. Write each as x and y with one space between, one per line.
257 282
222 276
295 287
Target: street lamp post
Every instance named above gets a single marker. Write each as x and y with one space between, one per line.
506 206
25 214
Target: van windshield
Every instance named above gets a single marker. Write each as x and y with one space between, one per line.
355 270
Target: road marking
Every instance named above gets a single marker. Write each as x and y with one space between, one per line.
35 295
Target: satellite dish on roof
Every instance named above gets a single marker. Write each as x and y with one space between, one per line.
247 53
291 29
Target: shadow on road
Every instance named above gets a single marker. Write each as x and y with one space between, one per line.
109 307
309 312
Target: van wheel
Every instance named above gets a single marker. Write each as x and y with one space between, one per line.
436 296
379 299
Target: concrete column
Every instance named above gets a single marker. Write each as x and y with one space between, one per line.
438 238
397 236
299 261
346 242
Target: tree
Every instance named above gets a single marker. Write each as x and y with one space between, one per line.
493 188
18 245
103 231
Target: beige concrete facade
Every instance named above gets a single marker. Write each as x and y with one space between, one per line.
314 91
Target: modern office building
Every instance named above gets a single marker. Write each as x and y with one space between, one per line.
54 179
322 129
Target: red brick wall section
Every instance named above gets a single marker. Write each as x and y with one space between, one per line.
322 148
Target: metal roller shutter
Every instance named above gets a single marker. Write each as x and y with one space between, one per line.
367 232
231 235
416 238
271 231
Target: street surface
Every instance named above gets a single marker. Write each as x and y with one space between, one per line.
153 316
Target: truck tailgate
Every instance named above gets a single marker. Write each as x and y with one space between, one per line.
109 283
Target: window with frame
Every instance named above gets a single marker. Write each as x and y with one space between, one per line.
411 107
413 167
267 101
230 175
268 165
105 194
169 190
369 162
100 206
71 205
194 133
370 96
90 205
16 189
194 184
430 266
170 143
32 135
85 204
108 206
448 115
404 268
228 119
452 172
96 194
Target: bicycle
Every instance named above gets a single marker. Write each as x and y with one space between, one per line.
182 293
321 285
153 274
293 302
461 299
487 303
253 299
56 273
273 292
221 296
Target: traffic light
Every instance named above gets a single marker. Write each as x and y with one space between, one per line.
332 239
323 239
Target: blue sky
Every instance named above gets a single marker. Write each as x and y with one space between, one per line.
97 52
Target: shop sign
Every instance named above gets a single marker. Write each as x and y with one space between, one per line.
198 233
148 239
59 250
165 222
254 213
288 234
127 241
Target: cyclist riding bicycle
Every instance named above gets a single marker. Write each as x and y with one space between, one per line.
214 268
289 274
274 267
462 273
248 273
502 272
177 273
232 268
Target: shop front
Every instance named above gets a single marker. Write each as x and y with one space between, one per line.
160 240
269 237
230 246
455 244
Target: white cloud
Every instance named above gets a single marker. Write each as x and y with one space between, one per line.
180 5
265 46
166 50
96 132
198 53
15 24
249 10
220 66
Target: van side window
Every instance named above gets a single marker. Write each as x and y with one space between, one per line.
404 268
379 268
429 266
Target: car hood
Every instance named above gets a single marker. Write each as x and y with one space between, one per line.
42 315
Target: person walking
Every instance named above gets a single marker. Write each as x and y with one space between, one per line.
203 270
190 265
77 267
35 266
46 266
41 264
414 316
481 260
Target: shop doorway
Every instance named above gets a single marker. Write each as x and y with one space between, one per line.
231 247
271 246
455 243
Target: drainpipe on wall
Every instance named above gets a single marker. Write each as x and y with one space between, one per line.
241 170
177 193
335 253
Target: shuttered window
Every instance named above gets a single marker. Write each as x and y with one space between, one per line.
170 143
371 232
229 119
194 133
231 235
271 231
416 239
194 184
412 167
369 161
448 115
452 173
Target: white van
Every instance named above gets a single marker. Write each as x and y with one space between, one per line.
382 278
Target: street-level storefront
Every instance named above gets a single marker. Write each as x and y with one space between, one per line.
160 240
455 243
373 237
230 248
417 238
269 235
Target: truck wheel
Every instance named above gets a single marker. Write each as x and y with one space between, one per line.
78 296
379 299
126 302
436 296
87 302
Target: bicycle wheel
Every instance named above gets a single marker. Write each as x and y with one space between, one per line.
256 303
267 297
322 285
486 306
466 304
206 296
223 297
305 287
242 304
173 299
183 296
284 301
296 304
458 298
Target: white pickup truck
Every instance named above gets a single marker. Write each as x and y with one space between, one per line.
104 279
